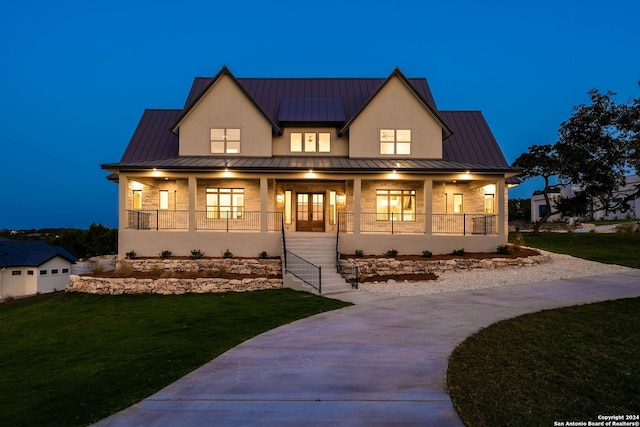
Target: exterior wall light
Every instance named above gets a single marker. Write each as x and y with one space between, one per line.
340 198
280 198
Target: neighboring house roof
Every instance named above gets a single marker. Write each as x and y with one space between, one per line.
14 253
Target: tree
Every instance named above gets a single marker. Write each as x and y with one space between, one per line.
597 146
540 161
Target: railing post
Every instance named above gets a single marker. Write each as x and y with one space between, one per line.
319 279
157 219
464 224
227 221
392 223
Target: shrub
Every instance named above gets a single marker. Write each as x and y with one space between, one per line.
131 255
221 272
458 252
165 254
227 254
427 254
263 255
168 274
626 228
502 249
156 272
518 240
96 267
392 253
359 253
124 269
196 253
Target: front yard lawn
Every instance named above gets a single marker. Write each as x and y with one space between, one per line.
569 364
73 359
609 248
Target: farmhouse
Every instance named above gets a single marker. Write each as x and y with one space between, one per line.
249 163
31 267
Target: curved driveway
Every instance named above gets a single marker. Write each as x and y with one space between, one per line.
380 362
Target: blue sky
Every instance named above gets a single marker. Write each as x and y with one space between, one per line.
75 76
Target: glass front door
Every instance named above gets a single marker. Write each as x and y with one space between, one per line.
310 212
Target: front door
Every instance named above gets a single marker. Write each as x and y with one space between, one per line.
310 212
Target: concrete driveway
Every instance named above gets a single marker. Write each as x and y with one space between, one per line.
380 362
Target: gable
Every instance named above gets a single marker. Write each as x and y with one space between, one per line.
224 105
395 106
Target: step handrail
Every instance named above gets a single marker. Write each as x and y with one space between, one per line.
304 270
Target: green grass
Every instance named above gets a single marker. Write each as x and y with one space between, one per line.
557 365
73 359
611 248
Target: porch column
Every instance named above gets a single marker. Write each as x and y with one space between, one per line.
264 199
502 201
193 185
357 190
123 184
428 206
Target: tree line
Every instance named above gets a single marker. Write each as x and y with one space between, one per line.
596 148
96 240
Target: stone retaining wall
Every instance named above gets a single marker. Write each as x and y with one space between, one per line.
389 266
111 286
253 266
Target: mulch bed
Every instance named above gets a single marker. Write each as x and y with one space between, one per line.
513 253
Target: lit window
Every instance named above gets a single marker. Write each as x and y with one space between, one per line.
164 199
395 141
457 204
225 203
287 207
137 199
296 142
488 203
312 143
396 205
225 141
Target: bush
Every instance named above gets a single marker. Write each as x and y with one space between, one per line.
227 254
263 255
131 255
458 252
518 240
156 272
96 267
221 272
502 249
359 253
196 253
392 253
165 254
427 254
124 269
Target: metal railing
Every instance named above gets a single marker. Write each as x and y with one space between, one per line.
160 219
308 272
464 224
414 223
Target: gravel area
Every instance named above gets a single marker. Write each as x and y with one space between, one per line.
559 267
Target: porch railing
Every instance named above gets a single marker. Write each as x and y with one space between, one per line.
414 223
304 270
227 221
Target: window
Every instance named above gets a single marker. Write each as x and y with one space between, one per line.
164 199
542 210
225 203
395 141
333 210
65 271
313 142
16 273
457 204
287 207
137 199
396 205
43 272
29 272
225 141
54 271
488 203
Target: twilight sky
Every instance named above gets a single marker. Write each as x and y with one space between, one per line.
75 76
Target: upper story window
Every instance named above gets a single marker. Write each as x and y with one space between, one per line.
395 141
225 141
310 142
